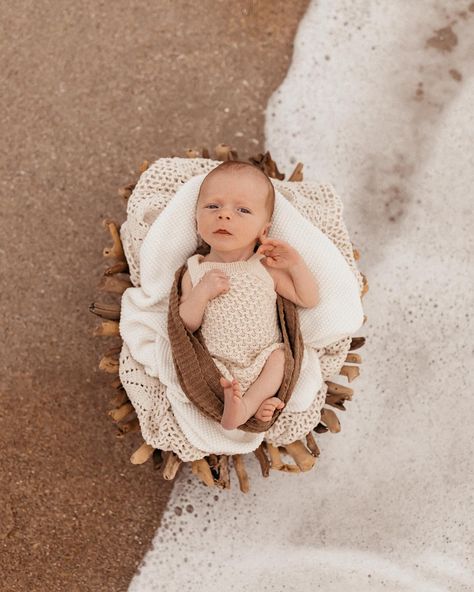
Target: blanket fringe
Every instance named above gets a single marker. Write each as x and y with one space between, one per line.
212 470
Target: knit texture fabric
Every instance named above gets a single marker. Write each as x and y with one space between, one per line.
199 373
240 327
159 236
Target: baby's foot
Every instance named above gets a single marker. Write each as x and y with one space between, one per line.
235 410
266 409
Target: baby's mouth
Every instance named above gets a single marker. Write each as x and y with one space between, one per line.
222 232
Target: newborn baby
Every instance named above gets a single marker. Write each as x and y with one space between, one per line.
231 292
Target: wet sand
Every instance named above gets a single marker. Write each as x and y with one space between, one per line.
89 93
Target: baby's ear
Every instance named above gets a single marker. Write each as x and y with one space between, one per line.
265 231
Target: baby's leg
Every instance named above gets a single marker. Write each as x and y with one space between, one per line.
267 383
238 409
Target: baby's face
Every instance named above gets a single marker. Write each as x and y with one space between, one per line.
236 202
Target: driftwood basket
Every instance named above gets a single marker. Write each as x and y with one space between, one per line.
213 470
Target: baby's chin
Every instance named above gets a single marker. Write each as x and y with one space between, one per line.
229 243
226 243
218 250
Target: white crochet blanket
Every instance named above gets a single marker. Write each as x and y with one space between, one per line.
170 240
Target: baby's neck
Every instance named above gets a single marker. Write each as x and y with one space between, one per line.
229 256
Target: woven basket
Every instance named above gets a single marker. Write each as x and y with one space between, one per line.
213 470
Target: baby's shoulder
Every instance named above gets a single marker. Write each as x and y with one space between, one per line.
271 271
186 285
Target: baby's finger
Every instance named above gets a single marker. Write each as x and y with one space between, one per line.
273 242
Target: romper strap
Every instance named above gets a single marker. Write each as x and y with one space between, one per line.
259 270
193 268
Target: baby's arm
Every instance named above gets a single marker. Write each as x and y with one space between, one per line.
293 278
299 285
194 299
193 303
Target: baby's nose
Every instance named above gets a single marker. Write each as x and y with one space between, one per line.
224 216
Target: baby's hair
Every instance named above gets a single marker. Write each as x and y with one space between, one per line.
235 165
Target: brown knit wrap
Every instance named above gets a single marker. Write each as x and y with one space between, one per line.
199 376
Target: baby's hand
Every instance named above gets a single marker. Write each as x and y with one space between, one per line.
214 282
279 254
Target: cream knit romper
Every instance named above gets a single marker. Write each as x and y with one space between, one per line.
240 327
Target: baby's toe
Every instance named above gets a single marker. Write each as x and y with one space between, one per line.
279 404
274 401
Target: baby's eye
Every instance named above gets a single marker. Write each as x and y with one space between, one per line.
246 210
